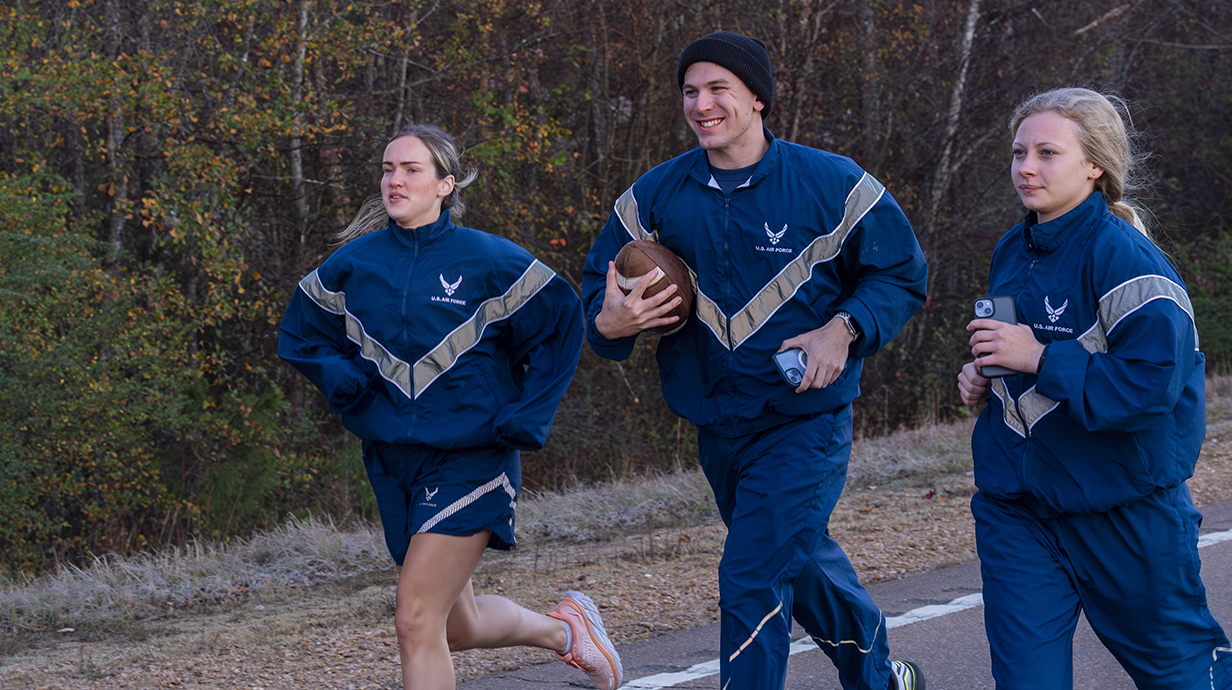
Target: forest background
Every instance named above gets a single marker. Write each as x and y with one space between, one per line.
171 169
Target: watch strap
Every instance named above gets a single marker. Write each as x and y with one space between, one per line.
852 327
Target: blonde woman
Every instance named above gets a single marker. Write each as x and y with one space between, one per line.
1081 459
446 351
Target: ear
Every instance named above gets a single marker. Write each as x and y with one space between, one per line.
445 188
758 106
1095 172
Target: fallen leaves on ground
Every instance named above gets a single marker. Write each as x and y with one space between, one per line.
341 636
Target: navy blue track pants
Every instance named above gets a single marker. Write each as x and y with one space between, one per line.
775 490
1132 570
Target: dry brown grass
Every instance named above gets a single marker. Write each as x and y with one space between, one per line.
904 511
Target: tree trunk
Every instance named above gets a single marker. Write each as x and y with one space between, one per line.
117 161
870 87
599 129
299 196
946 169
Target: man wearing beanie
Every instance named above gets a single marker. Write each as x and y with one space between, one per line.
791 248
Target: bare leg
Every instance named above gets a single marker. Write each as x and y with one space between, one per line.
438 612
489 622
436 570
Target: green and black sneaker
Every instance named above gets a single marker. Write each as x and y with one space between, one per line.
906 675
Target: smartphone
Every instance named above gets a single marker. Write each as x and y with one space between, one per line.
1000 309
791 364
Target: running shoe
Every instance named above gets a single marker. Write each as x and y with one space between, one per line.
906 675
591 651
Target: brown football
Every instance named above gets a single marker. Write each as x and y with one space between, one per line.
638 258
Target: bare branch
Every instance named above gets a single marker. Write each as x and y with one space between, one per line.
1186 46
1109 15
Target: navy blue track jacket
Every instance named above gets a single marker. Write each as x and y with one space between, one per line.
808 235
442 335
1118 408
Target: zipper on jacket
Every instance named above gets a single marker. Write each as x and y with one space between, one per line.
1035 257
410 274
728 396
1026 430
406 291
727 267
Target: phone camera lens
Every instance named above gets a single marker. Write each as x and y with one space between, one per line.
983 309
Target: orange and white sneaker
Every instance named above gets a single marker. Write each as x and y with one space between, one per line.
589 650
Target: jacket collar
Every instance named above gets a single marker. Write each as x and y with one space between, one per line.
1046 238
700 170
769 161
423 234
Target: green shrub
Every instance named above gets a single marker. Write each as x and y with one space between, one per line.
1208 275
89 362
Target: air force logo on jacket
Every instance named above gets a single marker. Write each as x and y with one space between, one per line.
450 288
382 330
774 238
1053 314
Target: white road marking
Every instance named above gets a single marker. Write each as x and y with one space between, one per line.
1214 538
804 644
936 610
667 680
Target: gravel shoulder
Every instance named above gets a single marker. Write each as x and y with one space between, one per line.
341 635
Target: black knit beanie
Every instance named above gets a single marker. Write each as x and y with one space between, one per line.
745 56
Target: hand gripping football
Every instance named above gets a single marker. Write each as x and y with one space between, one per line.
638 258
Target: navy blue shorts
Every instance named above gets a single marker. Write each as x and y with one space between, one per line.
460 493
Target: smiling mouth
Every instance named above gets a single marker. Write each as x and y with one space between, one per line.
707 124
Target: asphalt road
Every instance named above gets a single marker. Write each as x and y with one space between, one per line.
935 619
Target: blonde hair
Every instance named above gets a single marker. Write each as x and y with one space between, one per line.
448 161
1105 140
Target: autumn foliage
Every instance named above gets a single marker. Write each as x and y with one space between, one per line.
173 168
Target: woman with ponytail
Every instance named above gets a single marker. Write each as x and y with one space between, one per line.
1081 457
446 351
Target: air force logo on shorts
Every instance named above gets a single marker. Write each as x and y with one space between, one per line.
429 494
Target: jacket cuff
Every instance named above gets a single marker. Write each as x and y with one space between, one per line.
865 321
1039 366
360 403
1067 364
617 349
